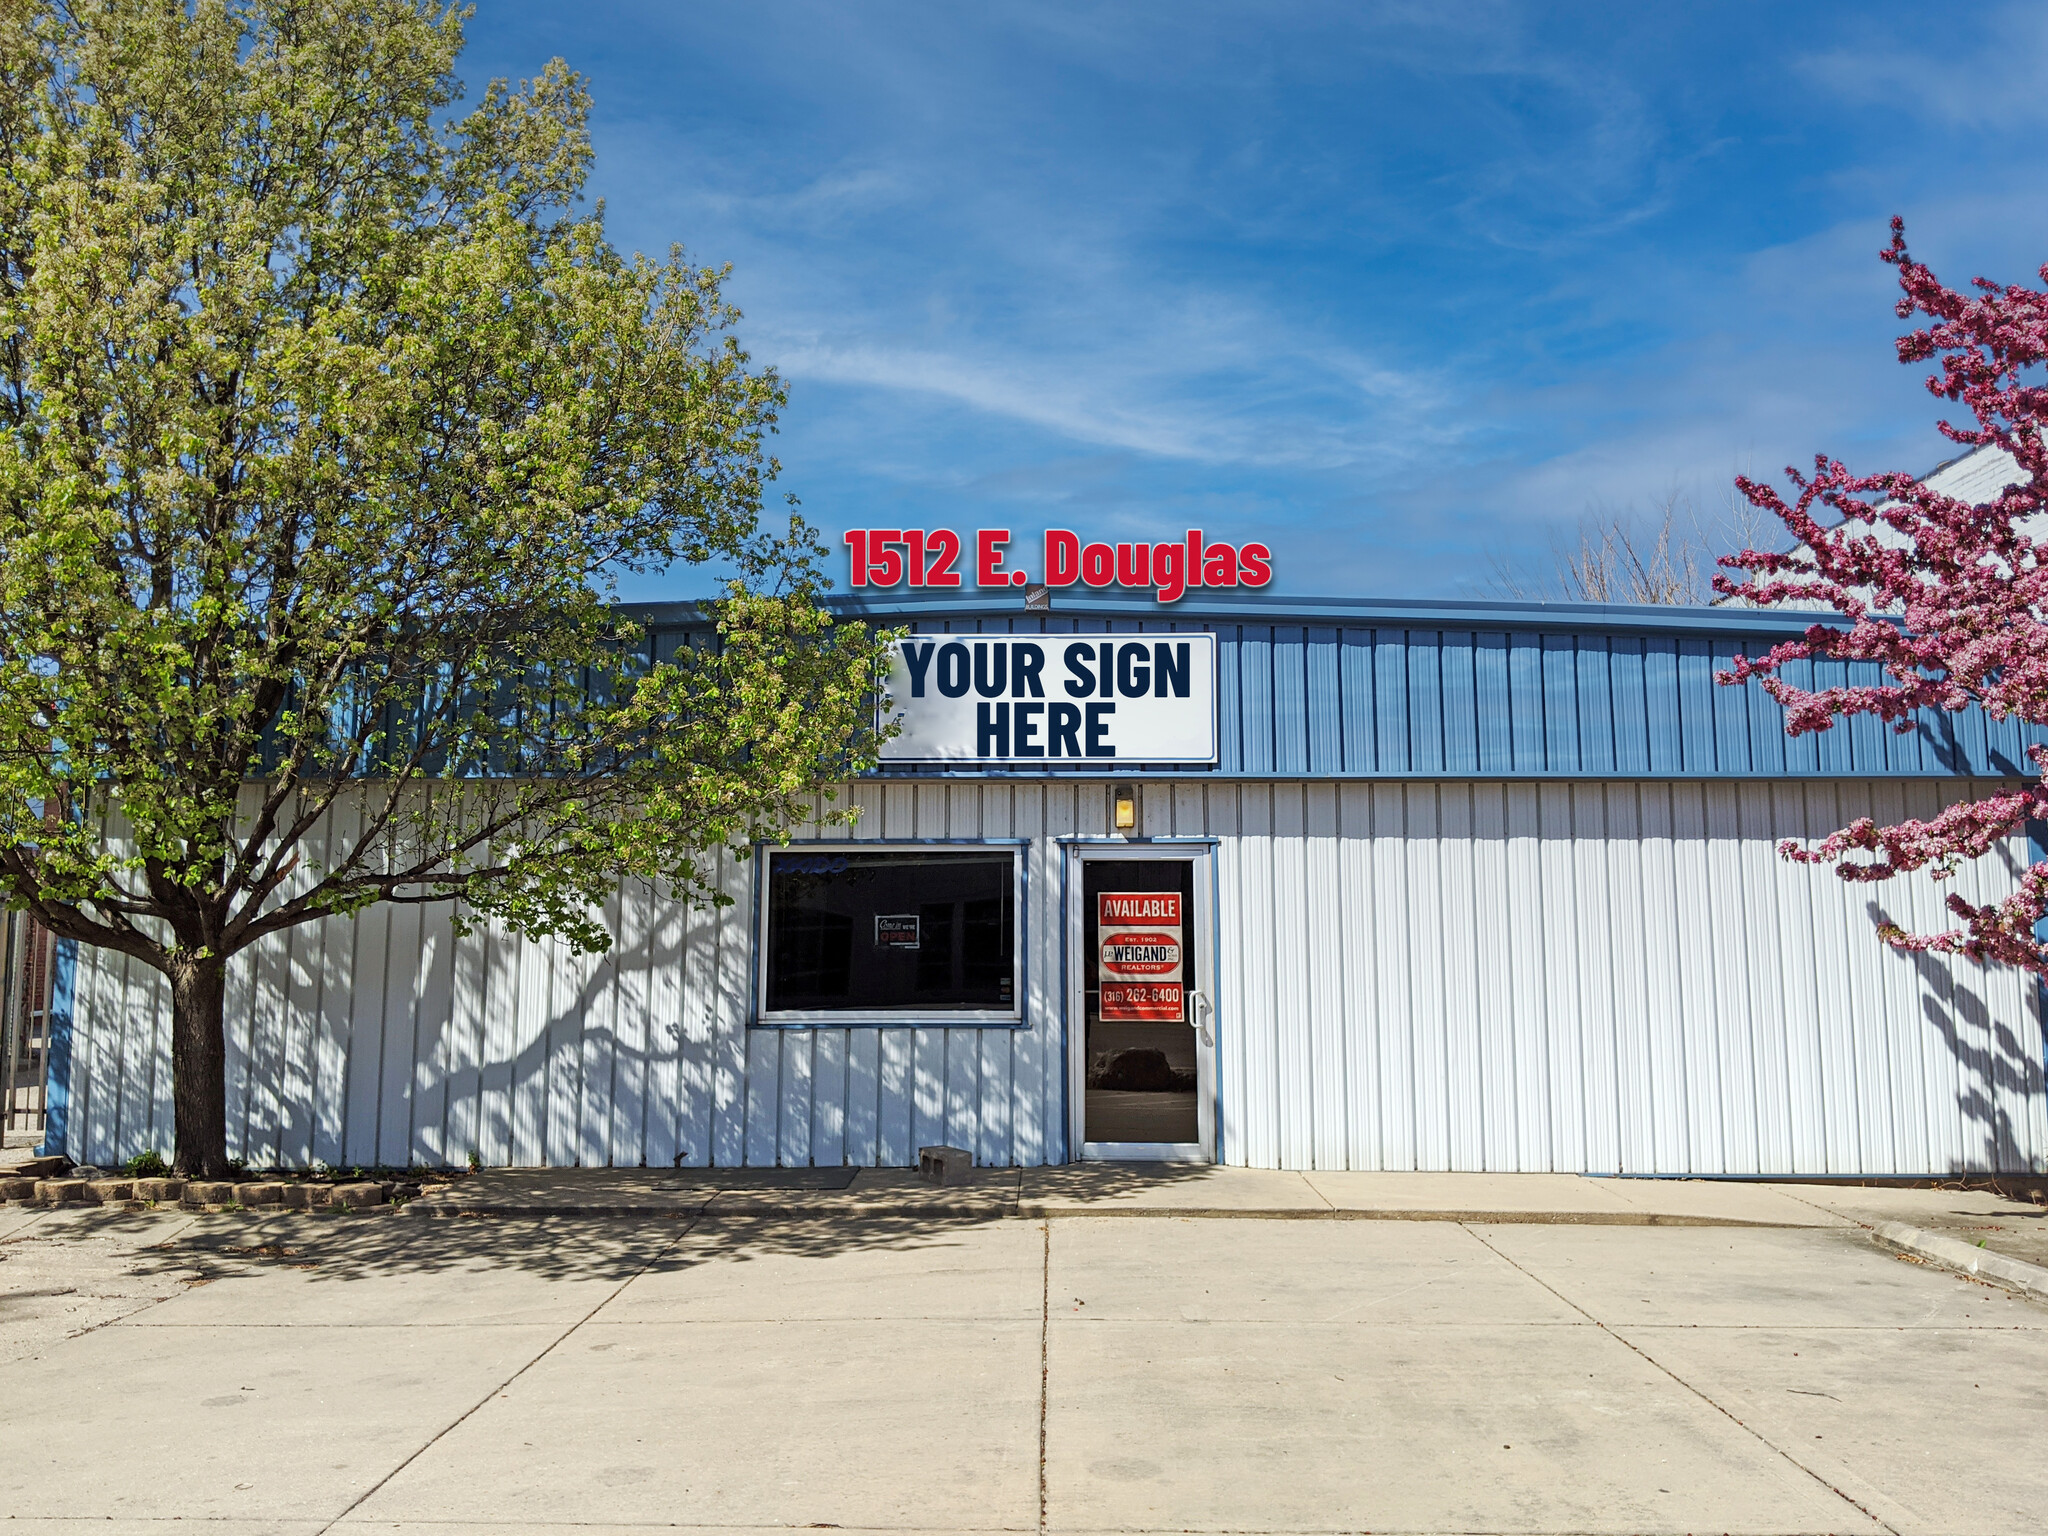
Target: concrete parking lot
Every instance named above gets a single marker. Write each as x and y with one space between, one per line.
397 1372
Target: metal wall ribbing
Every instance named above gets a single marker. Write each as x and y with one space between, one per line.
1459 974
1610 977
1363 690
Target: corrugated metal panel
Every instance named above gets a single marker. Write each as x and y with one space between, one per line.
1572 699
1613 976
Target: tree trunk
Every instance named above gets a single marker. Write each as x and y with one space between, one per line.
199 1069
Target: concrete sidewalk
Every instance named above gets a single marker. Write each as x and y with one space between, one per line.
1126 1189
529 1193
1977 1232
936 1373
1095 1189
1167 1189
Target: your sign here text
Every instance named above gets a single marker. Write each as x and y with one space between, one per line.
930 557
1067 698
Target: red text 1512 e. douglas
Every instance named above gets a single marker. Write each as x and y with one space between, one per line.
930 557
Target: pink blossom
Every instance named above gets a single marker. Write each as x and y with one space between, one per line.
1951 609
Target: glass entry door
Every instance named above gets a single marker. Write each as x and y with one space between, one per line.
1145 1061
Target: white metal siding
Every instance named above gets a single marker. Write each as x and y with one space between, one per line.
1611 976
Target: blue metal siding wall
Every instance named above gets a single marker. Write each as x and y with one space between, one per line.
1467 974
1307 701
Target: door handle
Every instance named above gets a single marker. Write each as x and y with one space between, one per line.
1201 1013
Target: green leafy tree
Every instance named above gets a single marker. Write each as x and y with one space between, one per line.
329 424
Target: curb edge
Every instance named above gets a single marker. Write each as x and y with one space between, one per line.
1953 1253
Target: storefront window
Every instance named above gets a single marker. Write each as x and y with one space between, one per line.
874 934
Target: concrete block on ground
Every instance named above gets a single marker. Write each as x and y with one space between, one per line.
268 1192
109 1191
209 1192
945 1165
164 1191
60 1191
357 1196
17 1189
42 1167
303 1197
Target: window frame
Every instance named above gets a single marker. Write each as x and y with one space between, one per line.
1014 1017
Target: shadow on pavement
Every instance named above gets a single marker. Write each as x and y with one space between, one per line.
552 1248
339 1248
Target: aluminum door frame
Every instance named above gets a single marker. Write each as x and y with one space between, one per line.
1201 852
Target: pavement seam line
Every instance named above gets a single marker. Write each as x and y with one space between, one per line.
1044 1364
1651 1360
462 1418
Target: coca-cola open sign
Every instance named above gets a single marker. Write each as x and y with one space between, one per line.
1141 963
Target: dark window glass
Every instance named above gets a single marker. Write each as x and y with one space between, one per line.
814 953
1141 1073
908 931
935 954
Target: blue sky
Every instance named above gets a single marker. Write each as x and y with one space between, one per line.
1400 289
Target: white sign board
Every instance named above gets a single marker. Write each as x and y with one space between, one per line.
1066 700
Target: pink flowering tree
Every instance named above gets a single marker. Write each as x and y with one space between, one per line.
1945 596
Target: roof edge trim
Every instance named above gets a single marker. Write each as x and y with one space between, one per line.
1340 612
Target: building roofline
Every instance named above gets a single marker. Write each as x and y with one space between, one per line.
1203 606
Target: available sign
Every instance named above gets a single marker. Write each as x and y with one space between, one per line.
1067 699
1141 961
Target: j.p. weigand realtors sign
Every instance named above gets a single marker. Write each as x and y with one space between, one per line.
1054 700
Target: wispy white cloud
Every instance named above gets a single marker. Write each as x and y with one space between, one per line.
1804 365
1987 73
1238 390
1006 265
1403 285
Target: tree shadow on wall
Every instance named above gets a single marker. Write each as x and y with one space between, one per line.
2001 1069
534 1101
